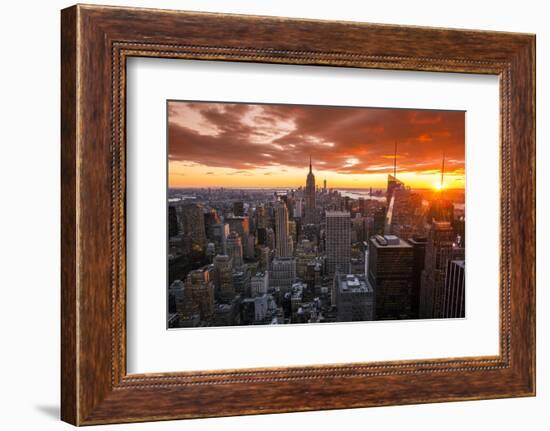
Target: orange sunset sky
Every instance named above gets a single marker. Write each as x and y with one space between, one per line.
255 145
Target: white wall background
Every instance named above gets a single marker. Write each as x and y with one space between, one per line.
29 215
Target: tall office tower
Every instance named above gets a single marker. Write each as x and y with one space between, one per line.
305 253
262 235
338 242
419 257
439 249
354 298
223 279
359 229
292 232
193 225
249 247
259 284
211 218
325 185
298 208
404 217
199 295
220 232
241 225
290 205
310 208
234 249
238 209
282 273
454 295
262 217
283 241
173 228
390 273
393 182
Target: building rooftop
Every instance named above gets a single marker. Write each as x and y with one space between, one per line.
388 241
282 259
337 214
418 240
354 283
442 224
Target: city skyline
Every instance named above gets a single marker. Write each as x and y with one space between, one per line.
314 252
234 145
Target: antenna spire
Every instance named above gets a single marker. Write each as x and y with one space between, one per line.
395 161
442 169
310 164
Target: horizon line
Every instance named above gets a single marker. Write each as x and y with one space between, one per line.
290 187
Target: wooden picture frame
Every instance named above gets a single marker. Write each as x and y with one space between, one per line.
96 41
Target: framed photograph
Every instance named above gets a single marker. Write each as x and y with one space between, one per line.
265 215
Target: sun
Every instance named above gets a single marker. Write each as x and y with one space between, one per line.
438 186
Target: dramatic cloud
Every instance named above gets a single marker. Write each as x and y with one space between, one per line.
245 137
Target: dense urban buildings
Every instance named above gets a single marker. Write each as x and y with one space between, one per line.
243 257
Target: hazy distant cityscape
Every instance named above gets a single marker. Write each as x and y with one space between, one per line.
314 253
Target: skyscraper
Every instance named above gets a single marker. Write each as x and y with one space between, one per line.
419 256
310 210
173 228
439 249
390 272
282 273
454 295
234 249
220 232
193 224
241 225
283 241
199 295
338 241
238 209
261 217
223 278
354 298
393 182
211 219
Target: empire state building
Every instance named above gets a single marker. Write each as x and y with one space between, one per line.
310 212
